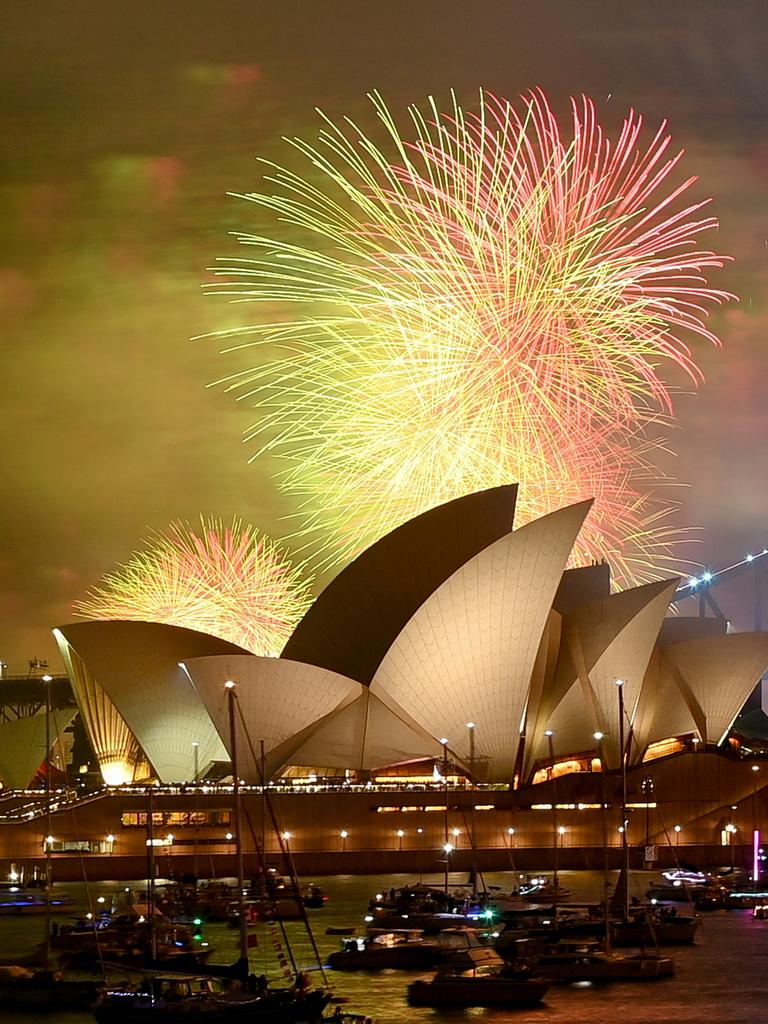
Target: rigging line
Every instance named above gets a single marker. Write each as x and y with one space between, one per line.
271 895
285 851
477 870
673 848
81 858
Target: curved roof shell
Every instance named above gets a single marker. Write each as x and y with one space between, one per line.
304 715
699 686
468 653
604 641
137 666
22 745
353 622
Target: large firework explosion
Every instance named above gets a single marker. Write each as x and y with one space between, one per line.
229 581
483 302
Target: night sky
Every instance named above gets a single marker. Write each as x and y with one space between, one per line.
123 127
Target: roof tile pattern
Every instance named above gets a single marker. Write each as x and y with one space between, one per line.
468 652
351 624
137 665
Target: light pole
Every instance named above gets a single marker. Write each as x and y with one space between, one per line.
47 680
555 878
731 830
755 835
195 810
446 844
230 686
623 764
447 850
678 830
471 729
343 835
400 835
647 791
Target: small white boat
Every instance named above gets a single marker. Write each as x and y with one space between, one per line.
479 977
570 961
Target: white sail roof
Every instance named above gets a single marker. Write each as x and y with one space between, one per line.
277 698
721 672
368 733
22 745
467 654
303 715
663 711
607 640
137 665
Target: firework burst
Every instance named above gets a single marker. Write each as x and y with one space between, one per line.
228 581
487 301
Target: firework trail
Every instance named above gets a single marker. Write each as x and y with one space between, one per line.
488 301
228 581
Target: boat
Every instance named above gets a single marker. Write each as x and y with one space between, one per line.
314 897
686 876
134 935
175 999
655 926
479 977
42 990
400 949
417 906
570 961
541 890
36 983
30 899
404 949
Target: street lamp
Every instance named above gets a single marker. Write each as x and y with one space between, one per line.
471 728
549 734
343 834
400 835
730 836
678 830
49 840
196 757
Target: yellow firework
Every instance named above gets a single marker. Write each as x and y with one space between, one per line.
229 581
482 300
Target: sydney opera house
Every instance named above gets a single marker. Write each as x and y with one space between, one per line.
457 687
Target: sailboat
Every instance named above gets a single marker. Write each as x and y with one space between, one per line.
34 984
640 925
170 999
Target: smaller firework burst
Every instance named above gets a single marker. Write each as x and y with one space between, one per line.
229 581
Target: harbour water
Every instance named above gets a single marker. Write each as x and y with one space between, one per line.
723 979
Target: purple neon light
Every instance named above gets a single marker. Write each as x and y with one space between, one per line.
755 854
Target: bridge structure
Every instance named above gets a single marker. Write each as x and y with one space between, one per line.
700 587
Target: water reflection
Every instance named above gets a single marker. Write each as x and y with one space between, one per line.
721 979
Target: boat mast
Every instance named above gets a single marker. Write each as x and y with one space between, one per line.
446 845
555 834
600 736
624 836
230 687
47 680
151 875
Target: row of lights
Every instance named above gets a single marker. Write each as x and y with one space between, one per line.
707 576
